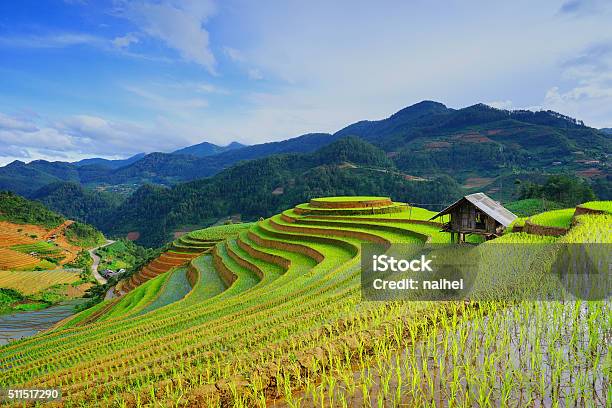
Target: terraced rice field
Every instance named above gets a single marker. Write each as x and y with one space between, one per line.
554 218
41 249
274 317
31 239
8 239
182 250
10 259
30 282
603 206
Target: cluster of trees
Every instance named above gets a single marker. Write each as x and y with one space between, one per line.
84 235
78 202
17 209
247 188
566 190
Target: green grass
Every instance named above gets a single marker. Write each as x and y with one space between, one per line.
599 205
409 213
382 229
31 306
519 222
246 279
84 315
371 211
41 247
555 218
531 206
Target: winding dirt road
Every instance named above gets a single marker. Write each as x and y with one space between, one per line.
96 262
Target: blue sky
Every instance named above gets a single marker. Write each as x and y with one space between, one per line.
112 78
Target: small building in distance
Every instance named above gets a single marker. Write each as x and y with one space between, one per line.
476 214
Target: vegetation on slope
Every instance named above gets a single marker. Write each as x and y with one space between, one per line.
14 208
77 203
247 189
565 190
122 254
84 235
554 218
531 206
303 335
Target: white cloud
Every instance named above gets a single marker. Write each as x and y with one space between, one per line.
179 24
589 97
11 123
234 54
507 104
167 104
81 136
58 40
255 74
125 41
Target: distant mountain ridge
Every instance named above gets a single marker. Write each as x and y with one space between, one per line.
423 139
113 164
208 149
265 186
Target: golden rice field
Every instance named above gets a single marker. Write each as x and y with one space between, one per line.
10 259
30 282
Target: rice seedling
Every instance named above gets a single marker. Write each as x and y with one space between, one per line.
290 329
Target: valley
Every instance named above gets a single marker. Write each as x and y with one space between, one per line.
234 278
242 204
477 148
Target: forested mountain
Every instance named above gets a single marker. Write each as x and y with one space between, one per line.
112 164
208 149
262 187
423 139
477 148
77 202
429 138
19 210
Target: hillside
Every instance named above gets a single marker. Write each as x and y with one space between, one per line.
271 314
77 202
113 164
424 139
263 187
16 209
208 149
31 223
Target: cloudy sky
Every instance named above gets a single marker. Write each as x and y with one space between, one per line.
112 78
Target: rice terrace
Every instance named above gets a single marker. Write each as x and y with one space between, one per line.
305 204
270 314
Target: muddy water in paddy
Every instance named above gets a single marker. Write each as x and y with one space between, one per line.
551 354
19 325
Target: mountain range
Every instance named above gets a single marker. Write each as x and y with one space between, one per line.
422 139
452 150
